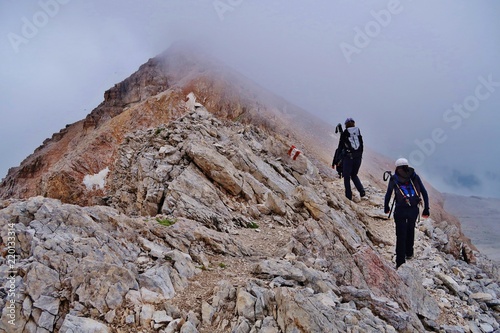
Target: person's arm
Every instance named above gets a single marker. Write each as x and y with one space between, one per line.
388 195
425 196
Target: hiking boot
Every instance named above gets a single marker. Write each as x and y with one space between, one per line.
409 257
362 194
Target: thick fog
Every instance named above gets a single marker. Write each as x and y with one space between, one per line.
421 78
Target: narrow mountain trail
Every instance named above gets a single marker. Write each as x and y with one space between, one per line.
370 210
269 240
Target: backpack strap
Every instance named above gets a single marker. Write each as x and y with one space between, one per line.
417 191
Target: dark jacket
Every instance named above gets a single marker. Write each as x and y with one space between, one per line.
351 143
403 176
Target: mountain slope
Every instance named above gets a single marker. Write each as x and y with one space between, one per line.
156 94
172 242
316 263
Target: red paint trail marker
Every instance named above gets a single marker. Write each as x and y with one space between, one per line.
293 151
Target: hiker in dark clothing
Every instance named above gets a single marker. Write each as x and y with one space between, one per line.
351 145
409 191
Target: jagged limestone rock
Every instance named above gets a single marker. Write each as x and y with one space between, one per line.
83 261
216 167
78 324
245 305
420 300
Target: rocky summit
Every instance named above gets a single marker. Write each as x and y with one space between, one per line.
205 223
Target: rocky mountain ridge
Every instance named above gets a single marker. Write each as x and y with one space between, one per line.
157 94
174 207
244 239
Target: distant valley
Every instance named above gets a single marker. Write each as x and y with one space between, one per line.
480 221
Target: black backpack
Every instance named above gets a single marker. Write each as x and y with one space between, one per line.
407 193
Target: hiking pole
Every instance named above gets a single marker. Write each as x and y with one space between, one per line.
392 207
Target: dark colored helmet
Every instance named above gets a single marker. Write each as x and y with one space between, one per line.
349 120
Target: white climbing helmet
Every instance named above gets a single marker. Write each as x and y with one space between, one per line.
401 162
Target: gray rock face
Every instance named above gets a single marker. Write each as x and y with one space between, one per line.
84 325
85 261
174 250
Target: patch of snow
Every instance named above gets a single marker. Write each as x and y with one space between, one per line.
97 180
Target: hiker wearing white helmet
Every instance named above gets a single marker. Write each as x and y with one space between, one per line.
351 146
410 193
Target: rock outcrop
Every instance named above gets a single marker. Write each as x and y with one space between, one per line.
207 225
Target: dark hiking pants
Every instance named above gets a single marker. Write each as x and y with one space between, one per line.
350 171
405 218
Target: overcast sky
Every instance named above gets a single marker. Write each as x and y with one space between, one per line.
421 78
